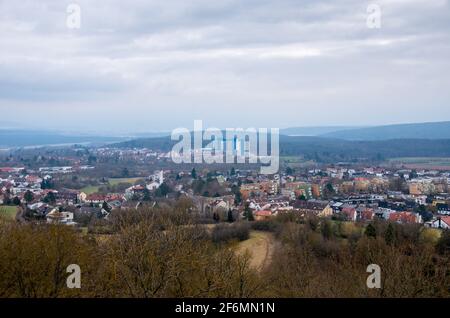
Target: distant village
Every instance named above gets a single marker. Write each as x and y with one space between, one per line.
341 192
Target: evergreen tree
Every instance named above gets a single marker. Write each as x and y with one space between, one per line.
16 201
237 198
28 196
46 184
389 236
50 198
163 190
230 218
146 195
371 231
248 213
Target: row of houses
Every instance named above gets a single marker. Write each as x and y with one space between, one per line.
343 211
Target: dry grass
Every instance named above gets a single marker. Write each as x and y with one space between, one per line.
261 247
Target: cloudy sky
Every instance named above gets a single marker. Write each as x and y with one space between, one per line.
144 65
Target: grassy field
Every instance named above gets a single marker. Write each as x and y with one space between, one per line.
261 247
90 189
294 159
115 181
8 212
419 160
112 181
421 163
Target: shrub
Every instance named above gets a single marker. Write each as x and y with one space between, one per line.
227 232
266 226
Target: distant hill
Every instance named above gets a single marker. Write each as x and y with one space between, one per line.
335 150
10 138
331 150
314 131
436 130
152 134
157 143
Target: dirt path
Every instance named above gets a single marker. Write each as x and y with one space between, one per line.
261 247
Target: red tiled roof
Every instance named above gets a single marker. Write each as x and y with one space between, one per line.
96 197
349 213
404 217
446 220
114 196
348 210
263 213
367 214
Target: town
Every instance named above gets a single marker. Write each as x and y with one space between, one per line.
84 189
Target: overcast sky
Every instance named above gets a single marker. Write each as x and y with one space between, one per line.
141 65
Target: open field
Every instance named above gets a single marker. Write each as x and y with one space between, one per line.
422 163
419 160
90 189
295 159
115 181
296 162
261 247
112 181
8 212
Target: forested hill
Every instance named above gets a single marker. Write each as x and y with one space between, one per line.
436 130
328 149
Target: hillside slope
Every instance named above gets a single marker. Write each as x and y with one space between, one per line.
437 130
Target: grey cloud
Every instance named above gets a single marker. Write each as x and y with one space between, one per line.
306 62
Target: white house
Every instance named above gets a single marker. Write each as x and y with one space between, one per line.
157 180
56 217
153 186
441 223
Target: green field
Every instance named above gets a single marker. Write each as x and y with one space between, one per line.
112 181
90 189
8 212
420 160
292 159
295 161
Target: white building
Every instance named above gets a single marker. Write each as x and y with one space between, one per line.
56 217
441 223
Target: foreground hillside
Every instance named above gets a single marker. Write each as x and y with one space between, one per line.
165 253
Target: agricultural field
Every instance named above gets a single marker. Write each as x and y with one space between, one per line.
112 181
296 162
90 189
115 181
419 160
421 163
